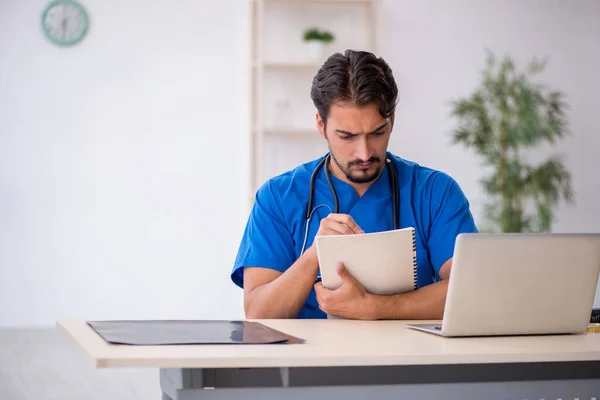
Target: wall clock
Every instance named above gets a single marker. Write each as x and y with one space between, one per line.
64 22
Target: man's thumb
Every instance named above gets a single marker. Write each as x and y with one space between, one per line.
343 273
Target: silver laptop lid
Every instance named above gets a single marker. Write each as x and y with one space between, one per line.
521 284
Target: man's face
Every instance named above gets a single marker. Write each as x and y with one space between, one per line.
358 138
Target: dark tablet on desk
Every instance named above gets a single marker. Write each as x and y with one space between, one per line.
184 332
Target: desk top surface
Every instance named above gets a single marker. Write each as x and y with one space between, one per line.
337 342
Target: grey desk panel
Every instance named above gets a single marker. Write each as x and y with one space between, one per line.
503 381
546 390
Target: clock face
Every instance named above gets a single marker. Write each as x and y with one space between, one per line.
64 22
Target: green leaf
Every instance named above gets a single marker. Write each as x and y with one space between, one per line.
507 113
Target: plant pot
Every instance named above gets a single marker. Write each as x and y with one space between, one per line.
315 50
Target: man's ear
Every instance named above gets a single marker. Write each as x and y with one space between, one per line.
320 125
392 119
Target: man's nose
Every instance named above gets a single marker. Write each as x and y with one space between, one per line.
362 150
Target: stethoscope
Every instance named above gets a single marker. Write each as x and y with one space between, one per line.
393 176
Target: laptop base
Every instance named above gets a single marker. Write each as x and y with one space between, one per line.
436 329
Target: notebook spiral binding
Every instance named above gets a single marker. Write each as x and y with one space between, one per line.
414 245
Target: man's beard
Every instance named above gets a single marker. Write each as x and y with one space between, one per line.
364 176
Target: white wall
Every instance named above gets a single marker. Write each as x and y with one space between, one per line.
436 49
112 153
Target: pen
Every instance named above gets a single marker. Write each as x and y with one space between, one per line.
594 328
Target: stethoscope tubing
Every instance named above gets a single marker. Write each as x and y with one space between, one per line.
325 162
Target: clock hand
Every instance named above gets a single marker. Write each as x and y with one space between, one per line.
64 27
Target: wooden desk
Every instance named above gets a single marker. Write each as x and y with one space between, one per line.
356 359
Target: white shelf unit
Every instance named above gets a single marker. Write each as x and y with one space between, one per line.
283 131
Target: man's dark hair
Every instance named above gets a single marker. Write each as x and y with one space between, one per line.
358 77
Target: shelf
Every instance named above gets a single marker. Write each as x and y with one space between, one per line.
288 65
304 134
294 134
281 68
303 2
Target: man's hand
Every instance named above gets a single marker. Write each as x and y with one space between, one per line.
338 224
335 224
350 300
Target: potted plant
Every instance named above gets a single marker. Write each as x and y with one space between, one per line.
316 40
506 117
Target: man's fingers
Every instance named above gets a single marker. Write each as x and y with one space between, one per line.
334 228
340 229
318 287
346 220
321 290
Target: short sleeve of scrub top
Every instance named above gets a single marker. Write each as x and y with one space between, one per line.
449 216
271 245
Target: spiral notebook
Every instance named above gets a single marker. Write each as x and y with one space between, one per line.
383 262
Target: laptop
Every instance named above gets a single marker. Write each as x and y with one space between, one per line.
520 284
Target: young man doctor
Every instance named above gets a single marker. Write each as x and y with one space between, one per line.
355 96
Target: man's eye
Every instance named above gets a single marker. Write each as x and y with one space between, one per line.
346 137
378 133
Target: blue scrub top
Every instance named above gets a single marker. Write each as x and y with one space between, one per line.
430 200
